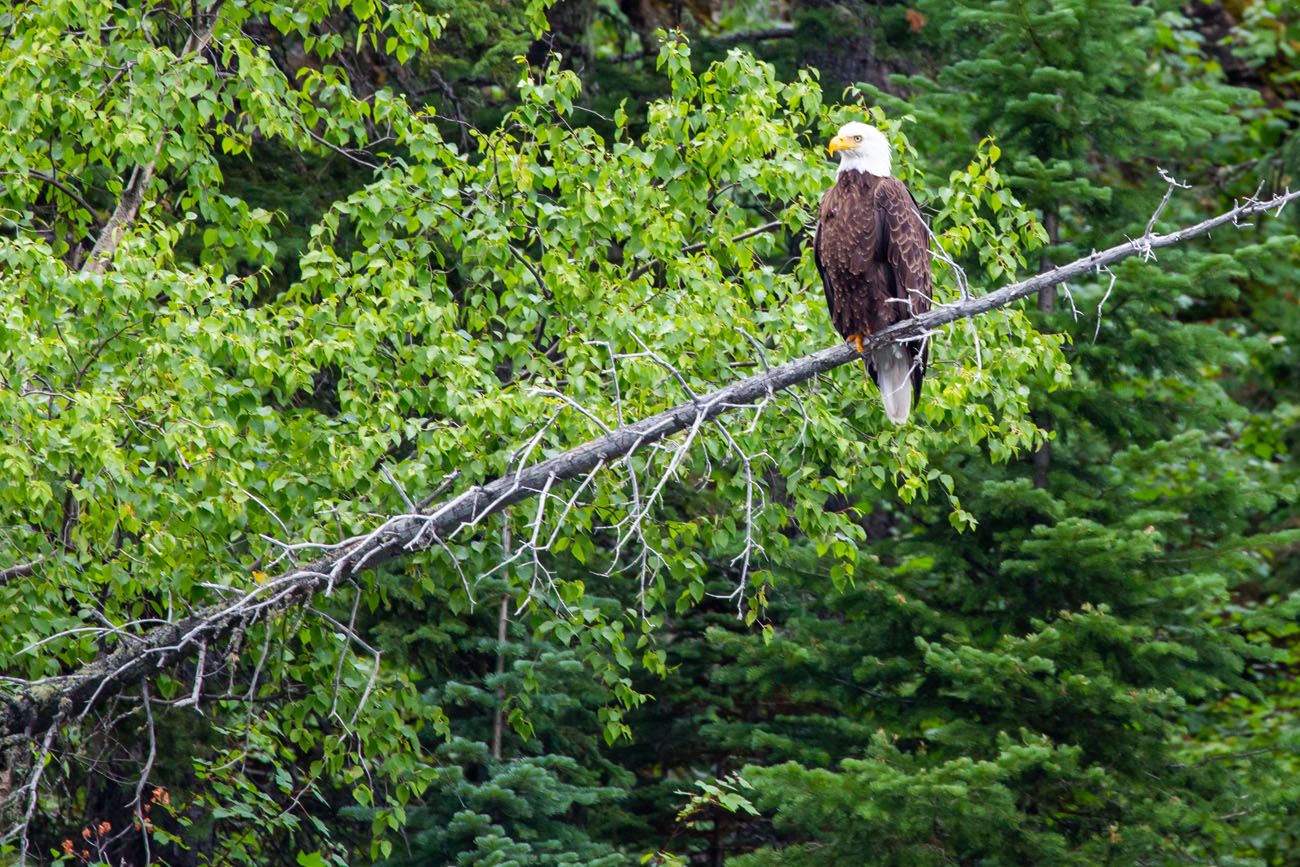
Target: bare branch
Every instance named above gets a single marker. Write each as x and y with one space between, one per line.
437 492
66 190
138 802
20 570
772 226
33 710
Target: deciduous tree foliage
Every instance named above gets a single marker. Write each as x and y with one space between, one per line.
167 418
933 656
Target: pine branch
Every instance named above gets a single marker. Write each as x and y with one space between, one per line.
34 709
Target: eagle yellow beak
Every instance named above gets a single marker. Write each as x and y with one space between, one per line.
839 143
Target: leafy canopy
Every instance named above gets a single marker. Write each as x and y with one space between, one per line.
165 418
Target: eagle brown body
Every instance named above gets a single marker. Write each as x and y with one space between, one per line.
873 251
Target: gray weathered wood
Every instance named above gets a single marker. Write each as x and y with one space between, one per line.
32 710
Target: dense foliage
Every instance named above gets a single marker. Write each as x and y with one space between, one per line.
272 271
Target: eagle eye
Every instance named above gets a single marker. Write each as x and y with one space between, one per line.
857 138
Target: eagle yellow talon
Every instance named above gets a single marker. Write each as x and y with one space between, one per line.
856 340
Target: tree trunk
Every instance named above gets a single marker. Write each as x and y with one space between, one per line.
503 620
1047 306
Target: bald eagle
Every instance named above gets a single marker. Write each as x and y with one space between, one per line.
873 251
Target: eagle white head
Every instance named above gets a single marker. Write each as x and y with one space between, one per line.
862 148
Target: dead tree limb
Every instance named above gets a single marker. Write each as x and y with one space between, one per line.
20 570
31 710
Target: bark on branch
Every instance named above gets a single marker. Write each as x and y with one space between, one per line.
128 207
30 712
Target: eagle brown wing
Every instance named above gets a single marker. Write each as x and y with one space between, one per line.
846 249
821 269
907 250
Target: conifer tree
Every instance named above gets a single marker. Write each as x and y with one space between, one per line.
519 774
938 660
1023 693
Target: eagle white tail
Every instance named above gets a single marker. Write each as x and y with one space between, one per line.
894 376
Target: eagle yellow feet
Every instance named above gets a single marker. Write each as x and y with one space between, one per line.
856 340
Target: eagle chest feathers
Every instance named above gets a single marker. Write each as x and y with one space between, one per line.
873 251
852 254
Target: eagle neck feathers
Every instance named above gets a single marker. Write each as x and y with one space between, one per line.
866 163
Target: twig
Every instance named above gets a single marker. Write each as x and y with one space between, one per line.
20 570
641 269
35 711
784 31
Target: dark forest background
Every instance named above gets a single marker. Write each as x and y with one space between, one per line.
1086 655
